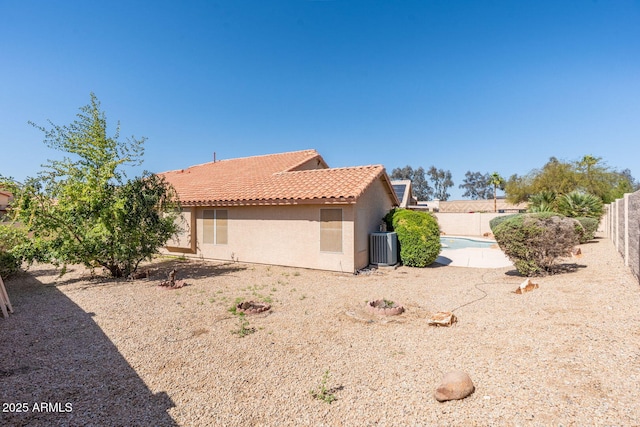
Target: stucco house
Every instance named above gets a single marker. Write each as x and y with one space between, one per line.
5 200
286 209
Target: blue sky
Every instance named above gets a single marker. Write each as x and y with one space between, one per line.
462 85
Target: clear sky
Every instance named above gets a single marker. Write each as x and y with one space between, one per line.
462 85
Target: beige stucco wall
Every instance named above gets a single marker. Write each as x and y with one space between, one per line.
372 206
4 203
290 234
466 224
185 241
280 235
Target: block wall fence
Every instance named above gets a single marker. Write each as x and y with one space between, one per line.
622 226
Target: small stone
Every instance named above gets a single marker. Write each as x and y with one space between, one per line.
526 286
442 318
576 252
455 385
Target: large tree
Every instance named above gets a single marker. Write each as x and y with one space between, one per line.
587 175
83 209
421 188
476 186
442 181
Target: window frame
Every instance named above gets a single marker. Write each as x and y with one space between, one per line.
327 245
215 232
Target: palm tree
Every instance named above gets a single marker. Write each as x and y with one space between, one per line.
544 201
497 181
577 204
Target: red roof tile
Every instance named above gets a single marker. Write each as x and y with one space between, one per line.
272 179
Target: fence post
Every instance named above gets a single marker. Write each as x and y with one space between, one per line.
626 229
617 223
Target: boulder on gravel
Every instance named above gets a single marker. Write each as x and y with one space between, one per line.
455 385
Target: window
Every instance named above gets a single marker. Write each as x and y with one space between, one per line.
331 230
214 227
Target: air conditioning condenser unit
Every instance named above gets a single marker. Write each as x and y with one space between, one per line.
383 248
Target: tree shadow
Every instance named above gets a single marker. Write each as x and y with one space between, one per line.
556 269
193 269
62 369
189 269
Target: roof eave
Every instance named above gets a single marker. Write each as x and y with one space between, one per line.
270 202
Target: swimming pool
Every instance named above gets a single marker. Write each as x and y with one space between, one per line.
465 242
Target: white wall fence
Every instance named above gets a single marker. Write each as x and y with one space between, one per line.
466 224
622 225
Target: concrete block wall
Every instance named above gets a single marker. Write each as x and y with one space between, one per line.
622 224
466 224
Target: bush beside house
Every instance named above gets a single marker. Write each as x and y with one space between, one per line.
418 236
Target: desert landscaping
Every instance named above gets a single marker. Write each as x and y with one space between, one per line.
111 352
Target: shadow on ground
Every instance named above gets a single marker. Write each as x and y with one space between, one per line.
190 269
62 370
556 269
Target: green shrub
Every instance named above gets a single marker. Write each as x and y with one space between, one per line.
545 201
535 241
10 238
577 204
590 226
498 220
418 236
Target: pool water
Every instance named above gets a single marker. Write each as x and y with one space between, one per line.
462 243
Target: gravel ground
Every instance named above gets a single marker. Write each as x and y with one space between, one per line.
81 351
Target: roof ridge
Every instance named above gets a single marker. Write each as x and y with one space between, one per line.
329 169
310 150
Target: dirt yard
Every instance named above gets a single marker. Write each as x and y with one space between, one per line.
81 351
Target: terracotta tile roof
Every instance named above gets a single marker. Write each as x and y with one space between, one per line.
272 179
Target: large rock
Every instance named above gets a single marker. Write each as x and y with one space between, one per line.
455 385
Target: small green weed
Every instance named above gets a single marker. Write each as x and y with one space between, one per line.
243 327
322 392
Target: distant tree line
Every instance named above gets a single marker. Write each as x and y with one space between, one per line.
435 183
589 175
422 189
